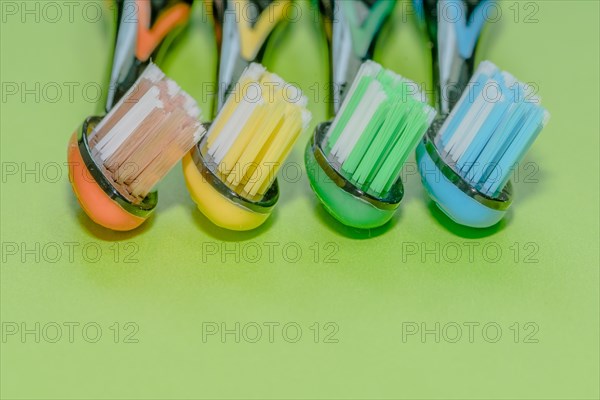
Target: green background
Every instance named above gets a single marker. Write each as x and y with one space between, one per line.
374 289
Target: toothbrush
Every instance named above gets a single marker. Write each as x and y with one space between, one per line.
231 173
116 160
108 201
353 163
242 29
466 158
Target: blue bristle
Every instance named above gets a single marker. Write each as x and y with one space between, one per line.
517 149
483 139
462 108
470 156
494 143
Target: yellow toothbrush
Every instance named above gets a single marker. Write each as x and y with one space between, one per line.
231 173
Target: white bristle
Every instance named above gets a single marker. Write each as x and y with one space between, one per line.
255 130
173 88
306 118
199 133
368 68
126 125
232 129
153 73
486 67
367 107
254 71
145 133
379 124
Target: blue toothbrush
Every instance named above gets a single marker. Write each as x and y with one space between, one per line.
487 120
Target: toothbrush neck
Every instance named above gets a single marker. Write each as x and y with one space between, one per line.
356 27
454 27
144 31
242 28
451 74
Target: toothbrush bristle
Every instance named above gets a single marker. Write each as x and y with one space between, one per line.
490 129
145 134
255 130
378 125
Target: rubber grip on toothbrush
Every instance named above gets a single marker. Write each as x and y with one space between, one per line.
219 203
96 195
346 203
460 206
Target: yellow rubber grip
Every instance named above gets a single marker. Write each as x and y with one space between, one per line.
217 208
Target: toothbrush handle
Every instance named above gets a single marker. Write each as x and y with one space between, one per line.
451 74
355 26
242 29
144 30
453 27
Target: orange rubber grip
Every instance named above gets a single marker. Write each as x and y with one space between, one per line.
95 202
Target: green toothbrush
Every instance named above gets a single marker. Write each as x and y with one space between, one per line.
354 162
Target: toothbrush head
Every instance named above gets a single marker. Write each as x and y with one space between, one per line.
96 194
231 173
466 165
117 160
354 162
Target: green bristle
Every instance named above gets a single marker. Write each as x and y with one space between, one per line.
352 103
365 140
390 134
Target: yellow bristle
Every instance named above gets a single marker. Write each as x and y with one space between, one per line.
277 153
226 112
262 136
255 135
248 132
